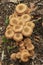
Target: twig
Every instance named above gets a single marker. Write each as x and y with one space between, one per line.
2 57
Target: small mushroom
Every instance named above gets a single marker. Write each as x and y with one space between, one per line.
21 48
9 33
30 47
25 56
26 17
13 15
13 56
27 41
18 55
13 21
18 37
21 8
30 24
27 31
21 44
17 28
28 44
21 23
9 27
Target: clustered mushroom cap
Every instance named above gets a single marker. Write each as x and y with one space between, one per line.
20 23
25 51
9 33
21 8
26 17
13 21
13 56
20 26
31 24
18 55
27 31
17 37
17 28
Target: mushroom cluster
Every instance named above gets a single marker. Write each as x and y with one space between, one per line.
20 26
26 51
20 23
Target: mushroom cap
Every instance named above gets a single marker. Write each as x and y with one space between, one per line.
26 17
18 55
30 24
9 27
24 56
21 8
17 28
27 31
14 15
28 44
13 56
9 33
13 21
18 37
30 47
22 23
21 43
27 40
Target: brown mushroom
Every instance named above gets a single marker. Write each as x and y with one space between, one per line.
26 17
9 27
26 41
9 33
27 31
18 55
18 37
30 47
30 24
13 56
22 23
28 44
14 15
21 8
25 56
21 43
13 21
17 28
